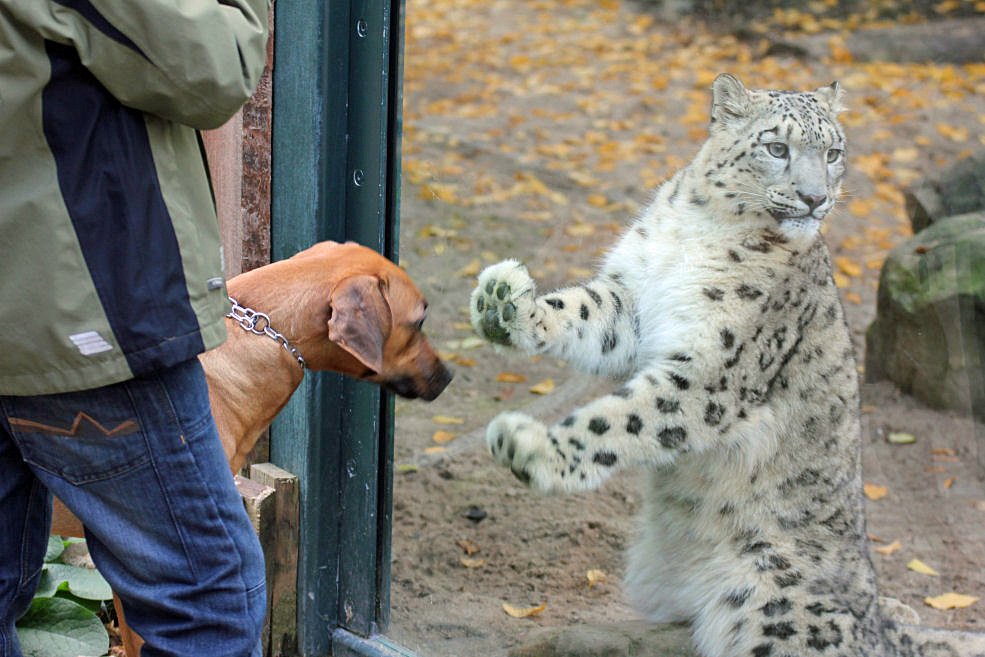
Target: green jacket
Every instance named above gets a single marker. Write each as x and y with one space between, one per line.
110 258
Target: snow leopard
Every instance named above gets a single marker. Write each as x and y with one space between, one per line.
739 394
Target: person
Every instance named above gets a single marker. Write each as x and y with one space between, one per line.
110 284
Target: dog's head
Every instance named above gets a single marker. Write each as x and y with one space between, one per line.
374 316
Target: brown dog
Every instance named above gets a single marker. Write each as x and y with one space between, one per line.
344 308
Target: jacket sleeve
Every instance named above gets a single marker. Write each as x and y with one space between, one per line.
194 63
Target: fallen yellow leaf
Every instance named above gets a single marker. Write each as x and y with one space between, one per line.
579 272
434 449
860 207
522 612
874 492
469 270
472 563
441 436
407 467
510 377
579 230
839 52
594 576
468 546
901 438
472 343
447 419
544 387
951 601
905 155
953 133
889 549
848 267
946 7
841 281
918 566
949 482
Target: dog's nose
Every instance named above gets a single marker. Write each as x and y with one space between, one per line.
437 382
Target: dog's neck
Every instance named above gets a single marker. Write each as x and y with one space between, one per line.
251 378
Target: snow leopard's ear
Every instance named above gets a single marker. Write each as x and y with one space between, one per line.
730 100
832 96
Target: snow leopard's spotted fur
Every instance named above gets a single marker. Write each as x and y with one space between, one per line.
741 393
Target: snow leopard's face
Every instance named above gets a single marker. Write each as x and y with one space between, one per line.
789 149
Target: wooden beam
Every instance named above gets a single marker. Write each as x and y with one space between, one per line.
280 549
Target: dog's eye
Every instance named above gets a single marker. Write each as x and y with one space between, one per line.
419 324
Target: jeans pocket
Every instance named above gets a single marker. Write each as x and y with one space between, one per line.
81 437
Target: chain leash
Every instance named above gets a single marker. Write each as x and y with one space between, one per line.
259 323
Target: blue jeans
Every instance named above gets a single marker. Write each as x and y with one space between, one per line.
141 464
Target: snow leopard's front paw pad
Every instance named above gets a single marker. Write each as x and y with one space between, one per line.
502 305
520 443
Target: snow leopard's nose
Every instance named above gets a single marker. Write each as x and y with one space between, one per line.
812 201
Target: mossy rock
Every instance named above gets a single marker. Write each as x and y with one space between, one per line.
929 332
960 190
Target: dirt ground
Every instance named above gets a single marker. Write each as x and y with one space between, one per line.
536 130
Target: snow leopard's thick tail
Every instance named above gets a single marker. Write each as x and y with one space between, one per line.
917 641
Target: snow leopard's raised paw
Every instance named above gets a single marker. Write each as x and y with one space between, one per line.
502 305
520 443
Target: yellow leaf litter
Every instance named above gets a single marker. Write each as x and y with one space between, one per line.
441 436
594 577
874 492
951 601
522 612
889 549
447 419
918 566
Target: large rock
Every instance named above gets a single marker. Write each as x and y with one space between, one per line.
626 639
961 189
929 332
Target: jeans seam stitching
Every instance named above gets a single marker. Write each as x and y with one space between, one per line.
174 416
22 578
157 473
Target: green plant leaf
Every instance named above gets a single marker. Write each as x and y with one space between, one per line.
47 587
55 548
82 582
95 606
54 627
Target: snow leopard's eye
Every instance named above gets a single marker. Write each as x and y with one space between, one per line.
777 149
834 155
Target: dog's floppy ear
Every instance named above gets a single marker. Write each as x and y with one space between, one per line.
360 321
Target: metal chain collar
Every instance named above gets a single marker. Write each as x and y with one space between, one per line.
259 323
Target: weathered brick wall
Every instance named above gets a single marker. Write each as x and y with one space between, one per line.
239 159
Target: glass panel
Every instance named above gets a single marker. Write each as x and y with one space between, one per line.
538 131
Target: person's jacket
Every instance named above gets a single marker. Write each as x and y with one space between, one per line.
110 258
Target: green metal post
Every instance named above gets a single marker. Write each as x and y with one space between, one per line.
336 176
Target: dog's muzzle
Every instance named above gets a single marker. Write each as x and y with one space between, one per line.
427 389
